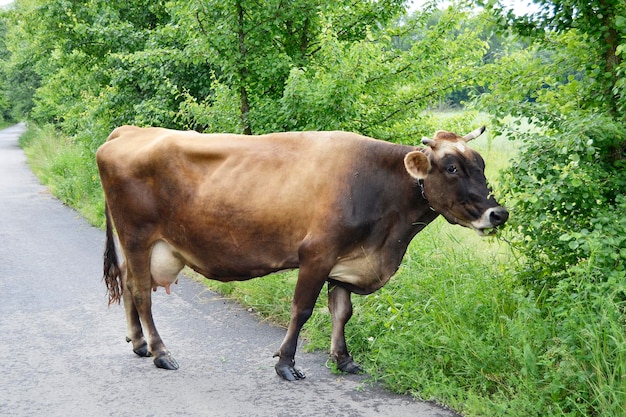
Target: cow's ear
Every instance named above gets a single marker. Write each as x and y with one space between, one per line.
417 164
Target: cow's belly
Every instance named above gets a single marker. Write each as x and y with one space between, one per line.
363 272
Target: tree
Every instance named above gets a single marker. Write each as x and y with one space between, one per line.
253 45
381 85
237 65
600 24
66 46
4 55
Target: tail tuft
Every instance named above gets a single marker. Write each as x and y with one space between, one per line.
112 274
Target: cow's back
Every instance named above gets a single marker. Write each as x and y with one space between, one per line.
261 173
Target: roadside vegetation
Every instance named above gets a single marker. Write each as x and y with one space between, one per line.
531 323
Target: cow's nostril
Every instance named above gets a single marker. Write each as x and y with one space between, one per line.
498 216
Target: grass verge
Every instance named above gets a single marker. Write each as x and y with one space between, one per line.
67 168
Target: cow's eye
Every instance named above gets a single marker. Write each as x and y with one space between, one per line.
451 169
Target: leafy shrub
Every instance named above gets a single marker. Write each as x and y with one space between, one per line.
568 201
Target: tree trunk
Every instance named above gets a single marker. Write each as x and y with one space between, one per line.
611 65
245 109
243 73
611 59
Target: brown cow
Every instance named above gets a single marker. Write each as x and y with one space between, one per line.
340 207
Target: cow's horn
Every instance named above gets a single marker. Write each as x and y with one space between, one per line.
427 141
473 135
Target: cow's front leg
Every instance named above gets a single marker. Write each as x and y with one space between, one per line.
285 367
310 281
340 307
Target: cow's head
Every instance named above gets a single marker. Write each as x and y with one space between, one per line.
452 179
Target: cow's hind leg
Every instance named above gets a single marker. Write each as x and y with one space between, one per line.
133 324
340 307
139 284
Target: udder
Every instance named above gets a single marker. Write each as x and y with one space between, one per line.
165 265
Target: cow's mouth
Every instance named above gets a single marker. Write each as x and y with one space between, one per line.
487 231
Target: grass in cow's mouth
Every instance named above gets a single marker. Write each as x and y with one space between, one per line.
490 231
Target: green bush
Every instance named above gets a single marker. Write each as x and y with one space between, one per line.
567 200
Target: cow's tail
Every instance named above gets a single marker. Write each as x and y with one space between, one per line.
112 274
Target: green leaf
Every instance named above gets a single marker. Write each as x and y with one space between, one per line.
573 245
565 237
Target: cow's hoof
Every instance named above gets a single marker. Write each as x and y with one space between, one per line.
289 372
141 350
166 361
350 367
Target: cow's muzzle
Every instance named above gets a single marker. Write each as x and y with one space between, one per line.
490 220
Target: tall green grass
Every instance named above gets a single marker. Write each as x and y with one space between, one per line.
67 168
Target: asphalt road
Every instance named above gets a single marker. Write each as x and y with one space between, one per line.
63 353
